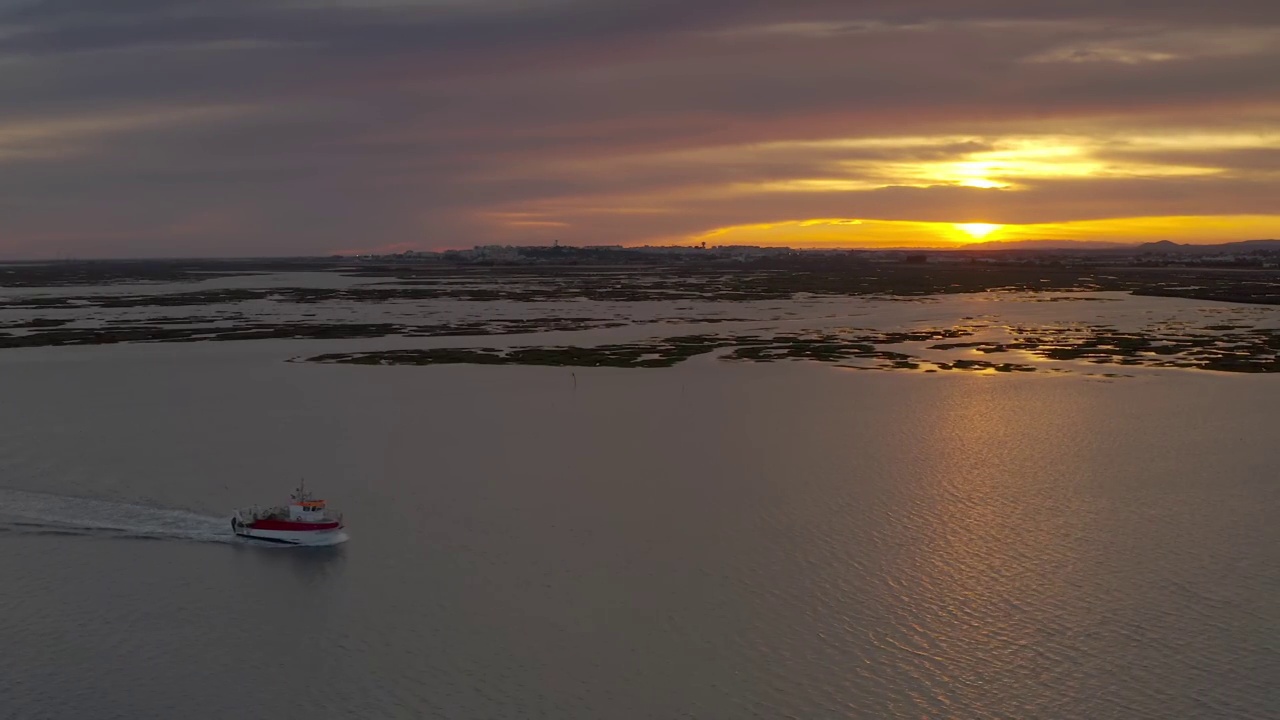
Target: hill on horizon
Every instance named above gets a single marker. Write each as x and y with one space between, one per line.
1159 246
1170 246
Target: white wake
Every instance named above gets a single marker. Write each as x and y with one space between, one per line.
22 511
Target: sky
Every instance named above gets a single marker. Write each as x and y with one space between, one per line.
136 128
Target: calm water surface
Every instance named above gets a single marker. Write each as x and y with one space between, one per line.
712 542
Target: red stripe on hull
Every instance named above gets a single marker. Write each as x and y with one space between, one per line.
294 526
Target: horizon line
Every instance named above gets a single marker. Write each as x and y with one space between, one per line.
992 245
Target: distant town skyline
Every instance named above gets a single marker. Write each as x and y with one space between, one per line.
171 128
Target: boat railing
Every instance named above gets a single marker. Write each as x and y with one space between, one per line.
257 512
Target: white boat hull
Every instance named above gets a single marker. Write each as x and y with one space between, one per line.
295 537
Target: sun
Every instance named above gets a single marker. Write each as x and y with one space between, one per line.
977 230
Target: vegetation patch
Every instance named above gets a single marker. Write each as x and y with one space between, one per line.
53 335
1255 351
657 355
1249 351
764 280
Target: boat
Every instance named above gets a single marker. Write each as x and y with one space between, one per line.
304 521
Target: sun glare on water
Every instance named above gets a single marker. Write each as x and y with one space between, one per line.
977 231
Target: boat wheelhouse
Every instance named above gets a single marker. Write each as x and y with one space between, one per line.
304 521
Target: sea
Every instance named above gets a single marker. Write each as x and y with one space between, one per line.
710 540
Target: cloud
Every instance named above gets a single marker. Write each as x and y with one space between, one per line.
128 127
1230 41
